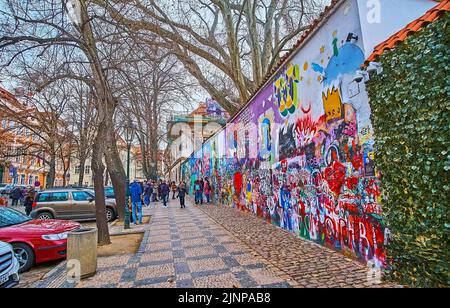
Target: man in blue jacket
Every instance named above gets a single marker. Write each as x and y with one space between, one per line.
136 201
165 191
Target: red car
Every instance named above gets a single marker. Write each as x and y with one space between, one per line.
34 241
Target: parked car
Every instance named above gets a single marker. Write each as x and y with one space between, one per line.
69 204
34 241
9 266
109 192
6 190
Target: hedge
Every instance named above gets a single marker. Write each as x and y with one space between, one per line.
410 113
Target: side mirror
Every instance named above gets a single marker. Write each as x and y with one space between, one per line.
91 200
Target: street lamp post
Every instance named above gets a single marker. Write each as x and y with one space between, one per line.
129 136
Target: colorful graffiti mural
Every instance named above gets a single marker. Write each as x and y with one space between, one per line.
300 155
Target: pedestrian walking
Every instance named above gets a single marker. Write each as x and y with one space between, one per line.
16 195
198 190
182 192
173 186
136 201
159 189
155 191
207 190
28 202
148 192
165 192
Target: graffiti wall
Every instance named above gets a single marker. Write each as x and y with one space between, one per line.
300 155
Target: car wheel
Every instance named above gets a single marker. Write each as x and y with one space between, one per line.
25 256
110 215
45 216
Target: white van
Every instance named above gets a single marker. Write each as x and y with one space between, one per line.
9 266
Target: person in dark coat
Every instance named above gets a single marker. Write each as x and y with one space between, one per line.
16 195
136 201
159 189
182 192
148 192
165 192
155 191
28 202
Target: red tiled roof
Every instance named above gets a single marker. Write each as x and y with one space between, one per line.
201 110
10 98
429 17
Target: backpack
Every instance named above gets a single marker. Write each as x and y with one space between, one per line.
197 187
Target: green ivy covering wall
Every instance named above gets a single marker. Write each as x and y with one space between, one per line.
410 111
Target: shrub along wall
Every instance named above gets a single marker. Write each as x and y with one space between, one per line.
411 112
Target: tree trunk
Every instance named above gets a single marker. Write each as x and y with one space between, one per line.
107 177
52 172
98 170
115 167
82 167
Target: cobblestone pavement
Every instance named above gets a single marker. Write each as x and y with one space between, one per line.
181 248
216 246
308 264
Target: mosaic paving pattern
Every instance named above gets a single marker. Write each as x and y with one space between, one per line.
184 248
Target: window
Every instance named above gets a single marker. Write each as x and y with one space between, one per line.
77 169
45 197
81 196
10 217
60 196
87 169
53 197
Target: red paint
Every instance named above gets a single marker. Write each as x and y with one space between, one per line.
237 182
352 183
335 177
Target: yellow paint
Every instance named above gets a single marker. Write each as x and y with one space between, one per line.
305 66
332 104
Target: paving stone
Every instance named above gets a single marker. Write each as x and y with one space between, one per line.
219 247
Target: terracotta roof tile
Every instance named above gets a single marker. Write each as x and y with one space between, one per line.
430 16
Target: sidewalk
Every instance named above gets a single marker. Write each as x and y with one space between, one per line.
181 248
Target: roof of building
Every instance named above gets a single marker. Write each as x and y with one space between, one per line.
10 98
200 111
430 16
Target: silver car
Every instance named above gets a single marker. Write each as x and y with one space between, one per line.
9 266
69 204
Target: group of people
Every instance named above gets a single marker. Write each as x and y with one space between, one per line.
23 196
202 188
142 194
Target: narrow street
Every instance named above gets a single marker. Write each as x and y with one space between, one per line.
188 248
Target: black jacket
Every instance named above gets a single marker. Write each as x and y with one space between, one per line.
182 192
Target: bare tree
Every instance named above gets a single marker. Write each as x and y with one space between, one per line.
156 93
34 29
83 120
237 40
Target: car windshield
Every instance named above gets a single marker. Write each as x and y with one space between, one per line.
10 217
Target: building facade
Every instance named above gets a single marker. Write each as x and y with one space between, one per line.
16 165
187 133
